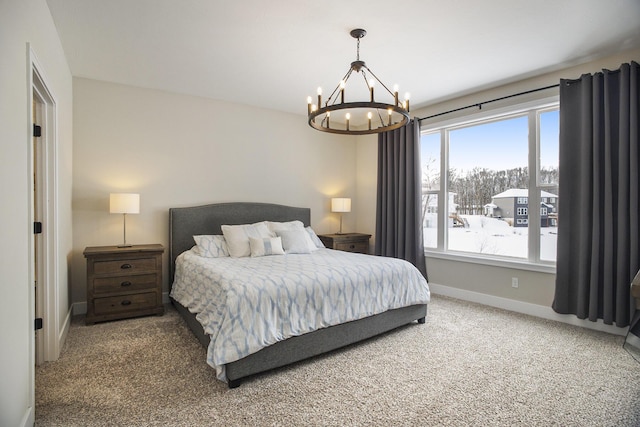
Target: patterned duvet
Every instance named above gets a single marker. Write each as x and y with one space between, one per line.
246 304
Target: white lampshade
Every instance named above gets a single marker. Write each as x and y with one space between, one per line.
124 203
341 204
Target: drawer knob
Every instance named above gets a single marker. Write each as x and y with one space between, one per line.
126 266
126 302
352 247
125 284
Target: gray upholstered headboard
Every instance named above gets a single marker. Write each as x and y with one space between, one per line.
186 222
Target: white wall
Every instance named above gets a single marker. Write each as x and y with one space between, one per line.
23 22
467 278
178 150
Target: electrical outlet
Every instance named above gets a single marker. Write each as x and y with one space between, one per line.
514 282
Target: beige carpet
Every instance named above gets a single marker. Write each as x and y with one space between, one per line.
469 365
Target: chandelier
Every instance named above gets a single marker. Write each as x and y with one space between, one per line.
359 117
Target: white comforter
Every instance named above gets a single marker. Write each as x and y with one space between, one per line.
246 304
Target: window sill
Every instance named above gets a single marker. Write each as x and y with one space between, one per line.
492 261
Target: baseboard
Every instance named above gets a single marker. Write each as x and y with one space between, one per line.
524 308
28 420
62 337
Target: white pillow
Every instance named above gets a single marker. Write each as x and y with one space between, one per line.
314 238
211 246
275 227
266 246
237 237
295 241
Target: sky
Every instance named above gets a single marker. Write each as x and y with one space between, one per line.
497 145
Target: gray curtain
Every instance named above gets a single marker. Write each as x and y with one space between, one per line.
398 220
599 195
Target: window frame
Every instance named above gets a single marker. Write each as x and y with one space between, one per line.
532 109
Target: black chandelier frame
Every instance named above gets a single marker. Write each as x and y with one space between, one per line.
335 102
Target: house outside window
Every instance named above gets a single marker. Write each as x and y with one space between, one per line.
477 170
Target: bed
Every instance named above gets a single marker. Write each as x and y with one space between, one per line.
186 222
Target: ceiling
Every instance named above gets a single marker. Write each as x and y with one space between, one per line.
273 54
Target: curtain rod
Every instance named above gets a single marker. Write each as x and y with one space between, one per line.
480 104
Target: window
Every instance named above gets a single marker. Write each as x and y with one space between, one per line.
481 174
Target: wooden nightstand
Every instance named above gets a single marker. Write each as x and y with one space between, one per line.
349 242
123 282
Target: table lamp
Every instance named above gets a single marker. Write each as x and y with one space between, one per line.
124 203
341 205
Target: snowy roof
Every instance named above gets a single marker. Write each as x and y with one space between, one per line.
520 192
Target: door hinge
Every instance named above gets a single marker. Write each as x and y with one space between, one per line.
37 130
38 323
37 227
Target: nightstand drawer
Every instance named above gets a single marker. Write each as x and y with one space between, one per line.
125 266
362 248
122 303
102 285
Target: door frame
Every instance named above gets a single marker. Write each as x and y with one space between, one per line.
39 92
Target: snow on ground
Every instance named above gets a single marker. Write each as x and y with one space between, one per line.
493 236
